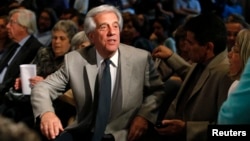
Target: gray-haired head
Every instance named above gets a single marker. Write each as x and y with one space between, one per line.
78 39
89 23
12 131
26 18
67 26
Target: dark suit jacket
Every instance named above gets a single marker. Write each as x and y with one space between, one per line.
24 56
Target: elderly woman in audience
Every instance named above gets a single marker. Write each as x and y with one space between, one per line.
233 110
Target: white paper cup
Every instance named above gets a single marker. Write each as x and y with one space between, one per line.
27 71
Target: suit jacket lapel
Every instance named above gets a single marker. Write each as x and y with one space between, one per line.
91 67
200 82
185 82
205 74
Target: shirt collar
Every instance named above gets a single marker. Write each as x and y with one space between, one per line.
21 43
113 59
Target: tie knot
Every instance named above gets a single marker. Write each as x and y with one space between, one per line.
107 62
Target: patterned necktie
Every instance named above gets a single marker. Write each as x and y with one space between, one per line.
104 103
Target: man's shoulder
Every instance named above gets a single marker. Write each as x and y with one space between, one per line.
132 49
34 42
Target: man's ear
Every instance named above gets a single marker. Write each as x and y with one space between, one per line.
210 48
91 37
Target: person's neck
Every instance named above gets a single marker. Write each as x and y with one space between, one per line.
21 37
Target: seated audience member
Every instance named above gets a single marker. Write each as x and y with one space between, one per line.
179 36
145 24
21 26
80 40
235 109
205 81
74 15
238 56
5 41
46 20
131 33
161 34
234 23
133 83
12 131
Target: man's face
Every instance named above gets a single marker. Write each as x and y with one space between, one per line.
197 53
106 36
232 31
44 22
158 30
15 30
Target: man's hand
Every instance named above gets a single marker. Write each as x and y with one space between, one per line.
171 127
50 125
34 80
162 52
139 126
17 84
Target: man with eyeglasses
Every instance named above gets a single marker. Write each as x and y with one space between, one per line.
21 26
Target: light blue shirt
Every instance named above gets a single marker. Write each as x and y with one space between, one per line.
235 109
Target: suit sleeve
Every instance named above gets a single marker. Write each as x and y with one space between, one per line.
44 92
153 92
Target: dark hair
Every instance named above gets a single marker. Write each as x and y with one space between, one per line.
236 18
208 28
134 20
72 11
164 22
52 14
179 33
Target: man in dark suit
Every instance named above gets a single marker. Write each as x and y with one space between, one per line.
136 87
21 26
